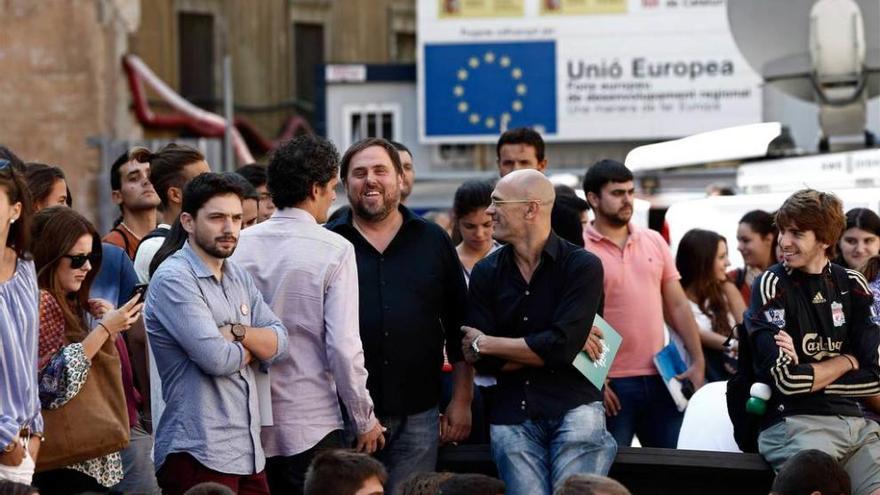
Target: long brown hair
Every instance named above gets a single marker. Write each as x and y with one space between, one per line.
19 238
695 261
56 230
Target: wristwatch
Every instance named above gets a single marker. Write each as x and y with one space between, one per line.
238 332
475 346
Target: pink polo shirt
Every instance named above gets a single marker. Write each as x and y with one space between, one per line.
633 298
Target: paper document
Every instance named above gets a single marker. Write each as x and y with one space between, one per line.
597 371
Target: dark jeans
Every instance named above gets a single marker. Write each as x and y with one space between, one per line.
410 446
646 410
181 471
287 474
67 481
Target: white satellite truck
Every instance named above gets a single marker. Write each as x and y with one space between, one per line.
816 51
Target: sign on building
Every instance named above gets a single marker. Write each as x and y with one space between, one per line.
580 70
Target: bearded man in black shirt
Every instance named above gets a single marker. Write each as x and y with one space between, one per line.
412 298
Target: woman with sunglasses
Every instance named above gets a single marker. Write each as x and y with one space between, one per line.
73 328
20 419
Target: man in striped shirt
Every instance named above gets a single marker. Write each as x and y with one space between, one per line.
816 345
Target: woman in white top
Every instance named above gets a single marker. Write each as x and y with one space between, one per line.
472 234
717 304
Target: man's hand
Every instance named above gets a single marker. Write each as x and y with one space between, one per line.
470 334
372 440
455 425
786 344
612 403
14 457
593 345
696 374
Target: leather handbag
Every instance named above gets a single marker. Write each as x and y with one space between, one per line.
93 423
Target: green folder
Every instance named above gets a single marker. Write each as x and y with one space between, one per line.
597 371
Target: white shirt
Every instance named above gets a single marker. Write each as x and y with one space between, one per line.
145 253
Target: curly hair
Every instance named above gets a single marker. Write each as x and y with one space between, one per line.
297 165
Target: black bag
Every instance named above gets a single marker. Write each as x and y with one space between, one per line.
746 427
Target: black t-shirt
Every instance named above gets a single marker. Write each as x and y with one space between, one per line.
412 298
553 312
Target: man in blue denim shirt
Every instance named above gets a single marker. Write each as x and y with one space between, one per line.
531 307
206 321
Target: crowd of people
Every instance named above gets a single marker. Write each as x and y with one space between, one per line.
229 333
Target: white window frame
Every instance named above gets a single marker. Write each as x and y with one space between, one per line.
365 109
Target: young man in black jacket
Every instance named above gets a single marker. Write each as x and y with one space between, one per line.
832 355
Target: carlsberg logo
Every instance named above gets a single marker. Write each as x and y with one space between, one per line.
820 347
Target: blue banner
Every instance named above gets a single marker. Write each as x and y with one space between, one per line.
477 89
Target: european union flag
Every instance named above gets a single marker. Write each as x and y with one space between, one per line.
477 89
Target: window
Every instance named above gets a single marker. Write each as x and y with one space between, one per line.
196 58
405 47
372 120
308 52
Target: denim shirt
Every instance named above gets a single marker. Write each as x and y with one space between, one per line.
212 410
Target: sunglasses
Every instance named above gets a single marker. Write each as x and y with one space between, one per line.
5 164
78 260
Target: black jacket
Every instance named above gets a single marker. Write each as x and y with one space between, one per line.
826 314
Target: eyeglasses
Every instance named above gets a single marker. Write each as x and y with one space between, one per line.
78 260
5 164
496 202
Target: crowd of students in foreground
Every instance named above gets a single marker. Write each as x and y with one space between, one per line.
365 320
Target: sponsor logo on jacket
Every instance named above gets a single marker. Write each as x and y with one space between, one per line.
819 348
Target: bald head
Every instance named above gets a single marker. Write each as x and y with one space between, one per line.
521 206
530 184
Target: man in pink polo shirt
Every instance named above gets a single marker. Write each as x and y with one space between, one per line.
641 285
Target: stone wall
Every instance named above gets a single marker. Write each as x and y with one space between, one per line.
62 83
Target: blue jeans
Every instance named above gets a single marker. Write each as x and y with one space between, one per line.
137 462
411 444
646 410
536 456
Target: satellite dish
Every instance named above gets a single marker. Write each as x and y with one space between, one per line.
817 51
776 38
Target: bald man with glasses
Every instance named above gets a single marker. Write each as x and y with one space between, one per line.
531 307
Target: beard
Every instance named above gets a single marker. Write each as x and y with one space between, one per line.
619 218
376 213
213 248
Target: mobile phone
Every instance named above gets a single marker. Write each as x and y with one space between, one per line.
140 290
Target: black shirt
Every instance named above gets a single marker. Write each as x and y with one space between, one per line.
412 297
554 312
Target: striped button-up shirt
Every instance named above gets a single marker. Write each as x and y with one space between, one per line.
211 401
314 289
19 320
